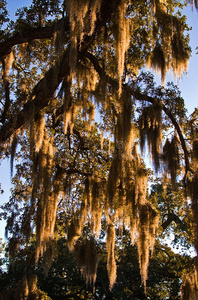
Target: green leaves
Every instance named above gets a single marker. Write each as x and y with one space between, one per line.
81 112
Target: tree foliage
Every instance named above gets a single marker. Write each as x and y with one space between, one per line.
78 118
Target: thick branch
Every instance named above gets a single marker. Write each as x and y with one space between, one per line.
45 89
172 217
41 95
6 93
30 34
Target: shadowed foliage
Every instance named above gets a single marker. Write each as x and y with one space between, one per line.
78 120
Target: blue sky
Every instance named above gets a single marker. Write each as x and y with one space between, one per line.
187 84
12 6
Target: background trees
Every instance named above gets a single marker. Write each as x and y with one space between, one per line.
77 121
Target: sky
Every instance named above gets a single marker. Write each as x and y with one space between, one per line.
187 85
12 6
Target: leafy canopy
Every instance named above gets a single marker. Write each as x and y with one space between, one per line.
78 118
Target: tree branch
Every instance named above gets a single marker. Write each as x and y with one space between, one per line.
136 93
6 85
30 34
172 217
42 93
45 89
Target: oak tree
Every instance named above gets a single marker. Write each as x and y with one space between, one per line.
78 120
